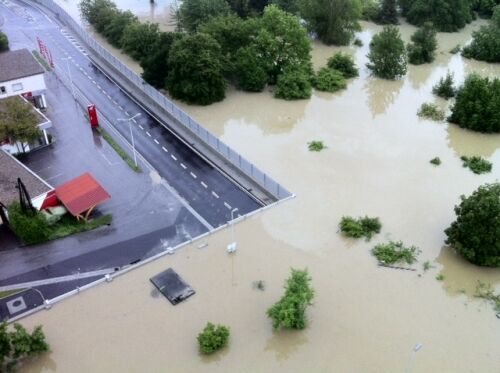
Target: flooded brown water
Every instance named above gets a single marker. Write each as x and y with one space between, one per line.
365 318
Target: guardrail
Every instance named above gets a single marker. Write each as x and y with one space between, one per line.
157 97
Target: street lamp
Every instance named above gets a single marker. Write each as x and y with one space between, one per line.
231 248
69 75
129 120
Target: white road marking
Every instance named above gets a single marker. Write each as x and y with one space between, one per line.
173 157
164 149
183 166
109 96
127 113
103 91
93 81
215 194
147 133
119 107
227 205
156 141
133 120
99 87
141 127
114 102
193 175
204 185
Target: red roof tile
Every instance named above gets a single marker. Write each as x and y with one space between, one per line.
81 193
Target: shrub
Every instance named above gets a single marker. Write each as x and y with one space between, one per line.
431 111
370 10
477 104
485 291
316 146
388 12
31 228
344 63
395 252
19 344
435 161
329 80
424 45
289 311
476 164
192 13
387 54
361 227
485 45
444 88
457 48
250 70
446 15
4 42
293 84
213 338
475 233
358 42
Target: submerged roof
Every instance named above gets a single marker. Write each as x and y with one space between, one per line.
18 64
82 193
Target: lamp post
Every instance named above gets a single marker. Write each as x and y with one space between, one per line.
129 120
69 75
231 248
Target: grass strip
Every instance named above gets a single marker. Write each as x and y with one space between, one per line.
395 252
69 225
41 60
4 294
118 149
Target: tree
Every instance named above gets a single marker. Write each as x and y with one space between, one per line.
485 45
290 311
290 6
155 66
477 104
140 39
294 83
444 88
4 42
113 31
484 7
213 338
446 15
388 12
334 21
250 69
18 122
192 13
344 63
475 233
424 45
196 70
97 12
329 80
387 54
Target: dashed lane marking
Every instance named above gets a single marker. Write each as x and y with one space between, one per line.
227 205
193 175
215 194
127 113
156 141
119 107
103 91
204 185
133 120
164 149
141 127
173 157
183 166
147 133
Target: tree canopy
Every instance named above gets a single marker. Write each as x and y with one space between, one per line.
139 39
4 42
192 13
388 12
18 344
446 15
18 122
423 46
485 45
387 54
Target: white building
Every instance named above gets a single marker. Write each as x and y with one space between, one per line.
21 74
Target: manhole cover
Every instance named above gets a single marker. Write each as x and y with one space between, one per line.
16 305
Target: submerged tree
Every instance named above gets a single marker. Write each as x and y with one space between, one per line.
444 88
387 54
192 13
485 44
423 46
388 12
446 15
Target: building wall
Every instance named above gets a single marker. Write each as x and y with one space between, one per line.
34 84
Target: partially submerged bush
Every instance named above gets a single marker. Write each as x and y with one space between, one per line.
476 164
19 344
329 80
213 337
435 161
430 111
344 63
444 88
423 46
395 252
475 234
457 48
316 146
485 45
294 84
360 227
358 42
31 228
388 54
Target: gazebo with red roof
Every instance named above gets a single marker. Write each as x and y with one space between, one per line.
81 195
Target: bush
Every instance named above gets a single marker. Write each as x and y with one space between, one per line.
476 164
446 15
344 63
4 42
388 12
435 161
430 111
213 338
192 13
316 146
329 80
387 54
424 45
444 88
196 74
475 233
485 45
250 70
395 252
370 10
358 42
361 227
31 228
294 84
477 105
19 344
289 311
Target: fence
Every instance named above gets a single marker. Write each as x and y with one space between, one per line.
182 118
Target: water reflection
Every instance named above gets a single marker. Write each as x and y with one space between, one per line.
215 357
45 363
465 142
381 94
285 343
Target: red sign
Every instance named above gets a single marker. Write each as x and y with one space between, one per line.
94 122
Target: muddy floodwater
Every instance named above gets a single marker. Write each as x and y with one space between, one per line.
365 318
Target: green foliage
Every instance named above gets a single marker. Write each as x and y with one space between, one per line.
477 104
424 45
446 15
358 42
140 40
118 149
444 88
457 48
213 337
192 13
68 225
19 344
484 8
196 71
290 6
440 277
485 45
329 80
435 161
387 54
388 12
344 63
360 227
333 21
41 60
431 111
370 10
486 291
30 228
97 12
475 233
294 84
18 121
290 311
251 70
114 30
476 164
316 146
395 252
427 265
4 42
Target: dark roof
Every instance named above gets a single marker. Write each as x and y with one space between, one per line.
80 194
10 170
18 64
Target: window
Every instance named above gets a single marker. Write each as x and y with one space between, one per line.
17 87
3 90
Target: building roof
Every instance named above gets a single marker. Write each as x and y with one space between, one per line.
18 64
10 170
82 193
